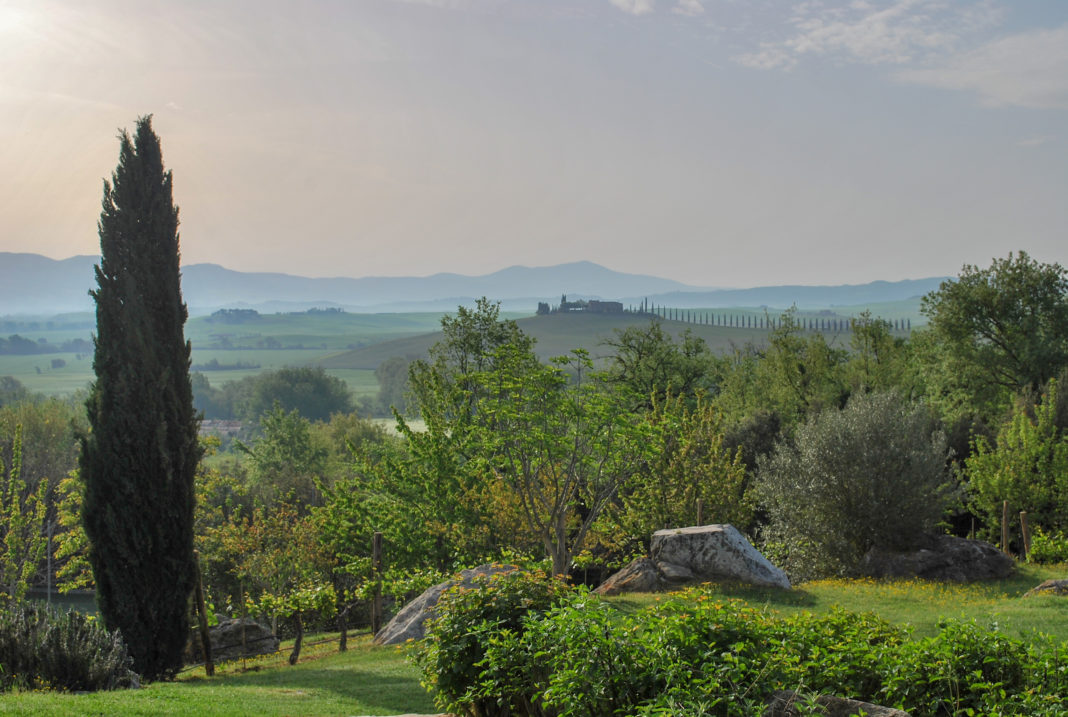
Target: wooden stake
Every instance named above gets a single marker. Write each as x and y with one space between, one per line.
700 511
1005 526
1025 534
376 570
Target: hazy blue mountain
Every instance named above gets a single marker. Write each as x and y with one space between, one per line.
34 284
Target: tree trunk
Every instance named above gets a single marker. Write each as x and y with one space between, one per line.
343 626
295 655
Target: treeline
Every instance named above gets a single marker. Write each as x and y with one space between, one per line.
831 323
311 392
21 346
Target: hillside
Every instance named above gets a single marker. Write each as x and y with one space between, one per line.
558 334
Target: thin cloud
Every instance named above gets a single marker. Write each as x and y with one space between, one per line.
635 7
1036 141
689 8
898 32
1025 70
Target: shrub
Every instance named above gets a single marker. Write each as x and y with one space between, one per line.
695 655
1027 467
44 649
467 622
1048 547
871 474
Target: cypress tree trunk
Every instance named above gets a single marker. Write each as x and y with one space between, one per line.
139 458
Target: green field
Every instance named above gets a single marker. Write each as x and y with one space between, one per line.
303 340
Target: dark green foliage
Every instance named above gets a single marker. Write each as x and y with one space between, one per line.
755 437
12 391
140 455
312 392
468 621
695 655
392 375
999 330
871 474
286 464
1048 547
649 364
44 649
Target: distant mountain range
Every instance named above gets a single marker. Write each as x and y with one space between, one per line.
31 284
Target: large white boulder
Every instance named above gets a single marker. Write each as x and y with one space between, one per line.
701 553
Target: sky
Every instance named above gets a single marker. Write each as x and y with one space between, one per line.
721 143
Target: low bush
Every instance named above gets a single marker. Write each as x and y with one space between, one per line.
574 654
44 649
1048 547
469 621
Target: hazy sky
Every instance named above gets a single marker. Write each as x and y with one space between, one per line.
717 142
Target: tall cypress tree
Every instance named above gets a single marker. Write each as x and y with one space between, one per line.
139 458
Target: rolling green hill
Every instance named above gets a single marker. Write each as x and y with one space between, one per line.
555 334
558 334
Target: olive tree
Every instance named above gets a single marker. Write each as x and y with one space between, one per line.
871 474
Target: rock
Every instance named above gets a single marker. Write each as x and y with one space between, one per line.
940 557
783 704
1050 587
641 576
408 623
696 554
226 640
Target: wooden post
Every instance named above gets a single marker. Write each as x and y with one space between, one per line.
700 511
1005 526
1025 534
202 618
244 615
376 571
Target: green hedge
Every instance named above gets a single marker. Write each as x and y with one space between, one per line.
512 646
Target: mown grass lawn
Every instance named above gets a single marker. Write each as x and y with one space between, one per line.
369 680
364 680
915 603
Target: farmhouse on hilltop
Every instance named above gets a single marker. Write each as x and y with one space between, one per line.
593 306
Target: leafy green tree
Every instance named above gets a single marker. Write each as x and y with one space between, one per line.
649 364
278 556
139 458
50 428
286 465
12 391
871 474
686 461
878 359
563 446
448 386
795 375
1028 466
312 392
22 518
1000 329
392 375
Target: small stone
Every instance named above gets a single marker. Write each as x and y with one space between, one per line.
1050 587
